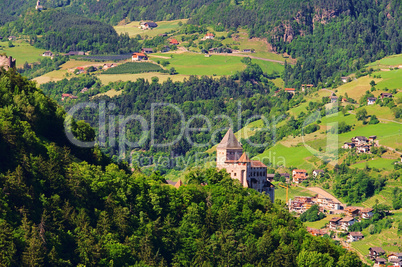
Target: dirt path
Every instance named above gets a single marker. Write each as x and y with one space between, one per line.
323 193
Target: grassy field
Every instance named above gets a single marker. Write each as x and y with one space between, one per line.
52 76
269 67
394 60
22 52
111 93
390 79
105 78
321 223
163 27
379 163
262 49
198 64
280 193
384 197
281 155
356 88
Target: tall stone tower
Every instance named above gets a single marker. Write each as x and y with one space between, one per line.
229 149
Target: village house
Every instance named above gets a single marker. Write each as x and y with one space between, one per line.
290 90
175 184
300 204
108 66
385 95
247 50
7 62
173 42
12 38
165 49
376 252
250 173
348 145
344 79
333 98
299 176
371 100
162 34
209 36
346 222
79 70
147 25
317 232
83 90
304 87
395 258
64 96
363 149
147 50
318 173
360 140
354 236
334 223
47 54
372 138
138 57
352 211
38 7
270 176
366 213
380 262
286 176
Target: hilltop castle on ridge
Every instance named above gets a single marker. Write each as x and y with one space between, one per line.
250 173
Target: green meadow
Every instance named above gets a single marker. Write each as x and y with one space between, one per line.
163 27
280 192
22 52
388 61
379 163
198 64
390 79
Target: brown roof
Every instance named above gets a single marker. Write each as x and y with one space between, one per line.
377 249
356 234
290 89
257 164
229 141
335 219
366 210
244 158
347 219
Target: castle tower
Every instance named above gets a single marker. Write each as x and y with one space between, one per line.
229 149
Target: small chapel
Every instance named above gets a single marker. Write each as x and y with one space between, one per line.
250 173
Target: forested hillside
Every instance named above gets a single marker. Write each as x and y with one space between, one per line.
57 210
64 32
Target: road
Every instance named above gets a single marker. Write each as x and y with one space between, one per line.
323 193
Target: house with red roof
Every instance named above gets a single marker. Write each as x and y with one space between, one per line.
209 36
174 42
299 176
138 57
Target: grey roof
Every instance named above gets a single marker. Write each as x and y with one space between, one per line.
230 141
377 249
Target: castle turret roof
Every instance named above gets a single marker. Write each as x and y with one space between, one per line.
244 158
229 141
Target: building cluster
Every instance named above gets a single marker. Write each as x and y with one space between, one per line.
64 96
301 204
300 175
361 144
372 100
378 255
148 25
250 173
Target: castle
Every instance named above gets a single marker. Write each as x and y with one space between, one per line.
7 62
250 173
